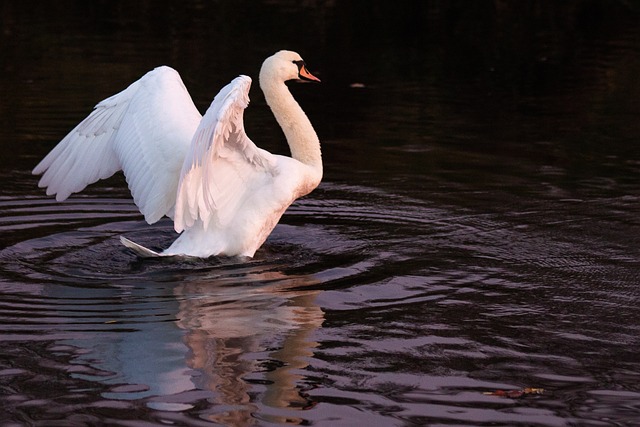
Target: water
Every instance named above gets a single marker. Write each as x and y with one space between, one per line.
476 232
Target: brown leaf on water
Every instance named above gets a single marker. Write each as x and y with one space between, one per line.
514 394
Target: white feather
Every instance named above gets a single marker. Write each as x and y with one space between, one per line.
223 164
145 130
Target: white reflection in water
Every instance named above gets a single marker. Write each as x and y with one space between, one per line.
238 341
248 342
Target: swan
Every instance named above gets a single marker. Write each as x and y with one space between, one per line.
224 194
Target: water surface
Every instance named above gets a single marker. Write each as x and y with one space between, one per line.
477 230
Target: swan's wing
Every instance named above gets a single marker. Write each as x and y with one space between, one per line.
144 130
223 165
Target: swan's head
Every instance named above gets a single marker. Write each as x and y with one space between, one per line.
285 65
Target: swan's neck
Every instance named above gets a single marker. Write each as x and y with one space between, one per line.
301 137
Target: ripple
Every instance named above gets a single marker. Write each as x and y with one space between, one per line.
354 283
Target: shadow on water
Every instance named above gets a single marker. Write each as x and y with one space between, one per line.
476 231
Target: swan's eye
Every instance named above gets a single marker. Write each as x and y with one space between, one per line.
300 63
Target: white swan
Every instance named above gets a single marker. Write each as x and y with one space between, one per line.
225 194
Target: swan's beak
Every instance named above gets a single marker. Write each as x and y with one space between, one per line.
304 74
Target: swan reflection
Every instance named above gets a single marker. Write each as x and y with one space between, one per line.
247 342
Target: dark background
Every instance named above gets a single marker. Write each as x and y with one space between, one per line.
513 71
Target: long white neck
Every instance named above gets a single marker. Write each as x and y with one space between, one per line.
302 139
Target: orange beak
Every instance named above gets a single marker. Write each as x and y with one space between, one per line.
304 74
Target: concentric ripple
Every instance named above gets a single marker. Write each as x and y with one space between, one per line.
353 285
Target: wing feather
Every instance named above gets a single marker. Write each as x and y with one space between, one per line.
223 165
145 130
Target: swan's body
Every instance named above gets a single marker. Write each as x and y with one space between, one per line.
225 194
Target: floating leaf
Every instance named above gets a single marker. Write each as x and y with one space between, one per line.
514 394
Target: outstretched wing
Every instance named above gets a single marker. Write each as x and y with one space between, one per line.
223 166
144 130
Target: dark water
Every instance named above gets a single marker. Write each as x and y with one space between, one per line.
477 229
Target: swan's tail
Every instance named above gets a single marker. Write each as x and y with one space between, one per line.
140 250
